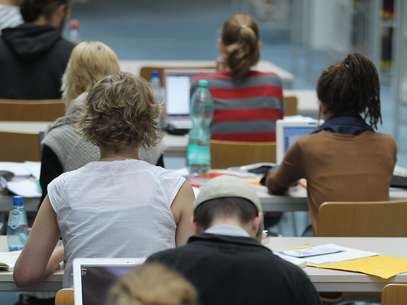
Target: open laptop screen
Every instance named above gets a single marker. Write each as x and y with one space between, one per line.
93 277
97 280
288 132
177 90
293 133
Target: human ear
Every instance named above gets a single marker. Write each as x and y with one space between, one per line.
257 226
197 228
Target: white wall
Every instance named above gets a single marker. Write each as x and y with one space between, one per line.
330 25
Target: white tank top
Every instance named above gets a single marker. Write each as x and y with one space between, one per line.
114 209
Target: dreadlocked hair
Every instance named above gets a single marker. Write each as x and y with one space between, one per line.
352 87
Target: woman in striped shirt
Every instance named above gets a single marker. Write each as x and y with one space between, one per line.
247 102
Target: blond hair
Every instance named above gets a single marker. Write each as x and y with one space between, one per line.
240 37
89 63
120 111
152 284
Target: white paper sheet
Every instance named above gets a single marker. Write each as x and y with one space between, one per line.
28 188
9 258
346 254
293 260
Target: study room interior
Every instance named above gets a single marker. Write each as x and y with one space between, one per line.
124 124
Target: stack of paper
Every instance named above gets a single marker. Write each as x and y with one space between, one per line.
28 188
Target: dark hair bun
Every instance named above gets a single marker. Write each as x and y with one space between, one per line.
240 36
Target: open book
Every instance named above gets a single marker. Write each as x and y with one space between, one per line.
8 260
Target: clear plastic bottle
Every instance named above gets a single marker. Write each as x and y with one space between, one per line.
198 152
17 227
156 86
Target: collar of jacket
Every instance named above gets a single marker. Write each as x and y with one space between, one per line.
345 124
222 239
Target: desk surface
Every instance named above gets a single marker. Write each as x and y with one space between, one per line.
134 66
323 279
333 280
54 283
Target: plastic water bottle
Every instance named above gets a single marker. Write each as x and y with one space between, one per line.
74 31
17 228
156 86
198 152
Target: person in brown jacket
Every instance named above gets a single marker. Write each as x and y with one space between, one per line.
345 159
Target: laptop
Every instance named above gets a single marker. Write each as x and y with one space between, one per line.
178 96
93 277
288 131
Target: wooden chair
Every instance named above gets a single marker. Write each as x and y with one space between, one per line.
64 297
290 105
394 294
19 147
31 110
230 153
146 71
363 219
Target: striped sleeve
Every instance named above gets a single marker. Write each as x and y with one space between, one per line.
245 111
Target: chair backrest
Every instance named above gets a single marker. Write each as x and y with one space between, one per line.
363 219
146 71
230 153
20 147
31 110
290 105
394 294
64 297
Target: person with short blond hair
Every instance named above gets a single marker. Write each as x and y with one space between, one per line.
90 61
118 206
63 147
152 284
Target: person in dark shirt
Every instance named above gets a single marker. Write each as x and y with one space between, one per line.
226 262
33 55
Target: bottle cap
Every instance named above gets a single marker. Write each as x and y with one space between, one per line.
203 83
74 24
18 201
155 74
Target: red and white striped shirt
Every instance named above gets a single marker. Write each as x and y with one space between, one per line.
244 111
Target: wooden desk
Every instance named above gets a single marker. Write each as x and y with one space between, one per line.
341 281
134 66
323 279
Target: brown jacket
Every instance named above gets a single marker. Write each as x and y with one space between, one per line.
338 167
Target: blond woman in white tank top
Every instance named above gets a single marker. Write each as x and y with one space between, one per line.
118 206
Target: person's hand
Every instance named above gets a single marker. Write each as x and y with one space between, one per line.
56 258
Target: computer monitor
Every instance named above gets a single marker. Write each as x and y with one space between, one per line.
93 277
288 132
177 90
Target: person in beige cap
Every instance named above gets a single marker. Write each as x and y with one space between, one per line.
225 260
